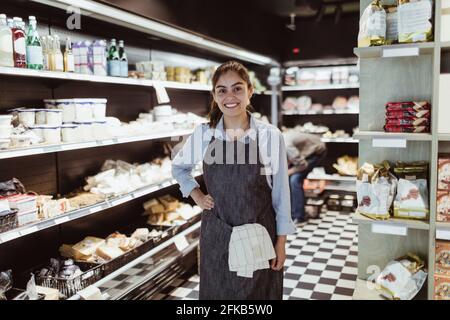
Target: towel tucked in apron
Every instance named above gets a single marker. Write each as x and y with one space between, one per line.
241 196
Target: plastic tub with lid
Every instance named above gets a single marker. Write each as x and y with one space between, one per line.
49 116
27 117
5 119
98 108
84 110
5 131
99 130
69 133
68 108
84 130
51 134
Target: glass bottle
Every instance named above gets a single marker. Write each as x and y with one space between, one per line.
33 46
57 54
6 43
123 60
20 60
69 62
113 60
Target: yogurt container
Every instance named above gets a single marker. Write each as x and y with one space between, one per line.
83 110
49 116
5 131
69 133
37 130
84 130
27 117
5 120
51 134
99 130
98 108
68 108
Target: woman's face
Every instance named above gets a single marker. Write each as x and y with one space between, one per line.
232 94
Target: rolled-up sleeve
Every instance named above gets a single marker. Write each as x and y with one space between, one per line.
281 199
186 159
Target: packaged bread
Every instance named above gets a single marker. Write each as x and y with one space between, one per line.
108 252
441 287
444 172
170 203
411 200
372 26
414 21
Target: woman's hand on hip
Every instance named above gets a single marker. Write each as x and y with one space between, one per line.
280 252
206 202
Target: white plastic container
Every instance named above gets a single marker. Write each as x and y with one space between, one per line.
5 131
99 130
49 116
27 117
50 103
83 110
51 134
84 131
20 140
37 130
68 108
5 120
69 133
165 110
98 108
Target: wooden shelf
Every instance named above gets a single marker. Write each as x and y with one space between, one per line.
393 135
398 50
321 87
410 224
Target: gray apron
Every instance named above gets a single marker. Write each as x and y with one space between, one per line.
241 195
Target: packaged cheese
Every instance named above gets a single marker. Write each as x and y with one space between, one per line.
88 246
108 252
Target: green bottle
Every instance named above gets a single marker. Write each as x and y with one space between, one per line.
35 58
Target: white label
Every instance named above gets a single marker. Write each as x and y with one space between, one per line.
394 229
181 243
19 46
443 234
400 52
29 230
388 143
10 236
61 220
6 44
34 55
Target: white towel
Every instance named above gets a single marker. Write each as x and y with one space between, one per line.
250 249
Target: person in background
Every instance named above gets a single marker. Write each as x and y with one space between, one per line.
304 152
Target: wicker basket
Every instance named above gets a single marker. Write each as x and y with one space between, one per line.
8 221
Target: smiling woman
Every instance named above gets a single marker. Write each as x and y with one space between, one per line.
246 213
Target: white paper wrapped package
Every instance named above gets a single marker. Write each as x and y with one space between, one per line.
401 280
375 191
372 26
412 199
414 23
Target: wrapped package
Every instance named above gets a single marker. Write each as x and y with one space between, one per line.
11 187
411 200
407 129
391 24
414 23
5 283
442 260
407 121
441 287
403 278
443 206
372 26
375 187
411 170
444 172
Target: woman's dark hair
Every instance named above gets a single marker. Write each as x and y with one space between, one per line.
215 113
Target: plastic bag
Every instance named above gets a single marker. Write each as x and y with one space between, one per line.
375 188
11 187
5 283
372 26
402 279
414 23
412 199
31 289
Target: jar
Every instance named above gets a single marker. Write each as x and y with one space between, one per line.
68 108
27 117
51 134
83 110
69 133
99 108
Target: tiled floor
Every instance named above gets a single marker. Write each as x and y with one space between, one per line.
321 262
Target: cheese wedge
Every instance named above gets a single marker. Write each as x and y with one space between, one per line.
108 252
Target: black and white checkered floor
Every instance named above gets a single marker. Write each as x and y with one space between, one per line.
321 262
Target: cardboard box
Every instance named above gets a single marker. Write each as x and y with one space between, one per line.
22 202
442 260
443 206
24 218
441 287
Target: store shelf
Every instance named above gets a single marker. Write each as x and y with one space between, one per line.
101 79
311 112
398 50
83 212
443 230
321 87
392 135
343 188
330 177
444 137
339 140
43 148
409 224
445 46
365 290
142 258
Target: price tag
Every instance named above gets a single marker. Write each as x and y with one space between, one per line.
95 209
181 243
400 52
120 201
443 234
10 236
388 143
394 229
62 220
29 230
